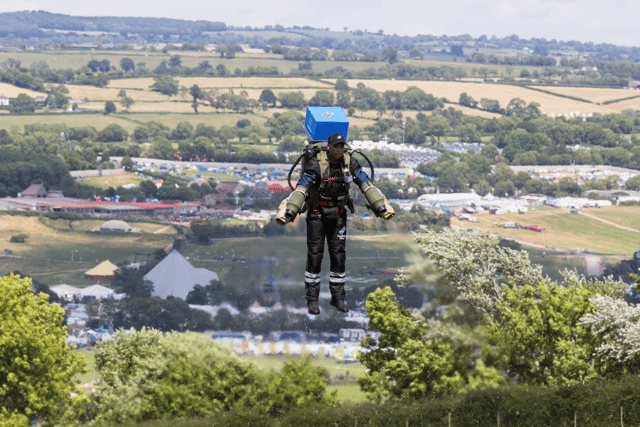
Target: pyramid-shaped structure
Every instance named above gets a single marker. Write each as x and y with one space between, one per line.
174 276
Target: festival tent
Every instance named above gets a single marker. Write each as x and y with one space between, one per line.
66 292
97 291
175 276
104 271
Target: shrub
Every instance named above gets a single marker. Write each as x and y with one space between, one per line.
18 238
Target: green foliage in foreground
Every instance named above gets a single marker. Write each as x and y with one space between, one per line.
596 403
36 365
150 375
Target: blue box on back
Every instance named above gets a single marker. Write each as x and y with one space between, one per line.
322 122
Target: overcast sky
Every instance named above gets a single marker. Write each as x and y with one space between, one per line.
597 21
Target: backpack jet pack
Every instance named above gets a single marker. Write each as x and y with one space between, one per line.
320 123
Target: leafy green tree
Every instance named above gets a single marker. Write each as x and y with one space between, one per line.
112 133
268 96
633 183
292 99
437 126
539 337
341 85
196 93
109 108
405 364
390 54
126 163
416 53
166 85
150 375
298 384
322 98
125 101
22 104
131 281
198 295
467 100
127 65
149 188
37 367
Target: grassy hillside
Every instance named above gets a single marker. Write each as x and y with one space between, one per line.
61 251
567 231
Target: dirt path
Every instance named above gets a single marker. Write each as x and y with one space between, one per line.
609 222
161 229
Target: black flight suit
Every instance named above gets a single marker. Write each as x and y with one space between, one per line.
327 219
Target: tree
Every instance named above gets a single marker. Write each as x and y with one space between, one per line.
196 93
112 133
175 61
540 337
322 98
125 100
166 85
341 85
475 267
131 281
198 295
416 53
268 96
467 100
405 363
126 163
615 322
23 104
109 108
149 375
292 99
127 65
437 126
37 367
390 54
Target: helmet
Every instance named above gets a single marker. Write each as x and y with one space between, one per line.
336 139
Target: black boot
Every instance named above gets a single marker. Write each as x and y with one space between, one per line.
338 294
312 307
312 291
339 304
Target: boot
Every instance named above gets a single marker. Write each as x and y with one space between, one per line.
312 307
339 304
312 291
337 292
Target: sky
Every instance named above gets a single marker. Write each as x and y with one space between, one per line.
597 21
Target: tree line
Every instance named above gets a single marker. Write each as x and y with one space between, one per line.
37 28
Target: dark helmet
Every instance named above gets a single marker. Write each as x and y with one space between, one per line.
336 139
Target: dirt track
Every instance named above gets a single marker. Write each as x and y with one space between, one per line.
613 224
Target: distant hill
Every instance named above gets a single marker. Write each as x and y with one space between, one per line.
23 28
29 23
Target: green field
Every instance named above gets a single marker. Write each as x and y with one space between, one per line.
566 231
626 216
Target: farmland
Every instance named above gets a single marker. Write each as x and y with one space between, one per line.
566 231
